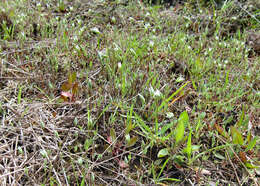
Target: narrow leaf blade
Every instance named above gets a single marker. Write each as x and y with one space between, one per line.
189 149
251 144
132 141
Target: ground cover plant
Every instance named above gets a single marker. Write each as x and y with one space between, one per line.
99 92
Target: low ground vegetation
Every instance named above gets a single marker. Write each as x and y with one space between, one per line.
129 93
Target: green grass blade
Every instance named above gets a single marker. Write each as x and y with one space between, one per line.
146 129
174 94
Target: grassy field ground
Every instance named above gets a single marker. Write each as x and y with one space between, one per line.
124 93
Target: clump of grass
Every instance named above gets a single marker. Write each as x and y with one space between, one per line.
126 93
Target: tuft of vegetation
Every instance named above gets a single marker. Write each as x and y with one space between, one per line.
129 92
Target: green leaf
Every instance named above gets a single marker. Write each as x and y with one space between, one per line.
132 141
198 126
82 181
250 165
193 148
219 156
129 125
221 130
182 122
19 97
162 153
75 122
146 129
227 78
179 132
66 86
198 63
113 134
168 179
72 77
189 149
249 137
164 164
184 117
87 144
236 136
242 116
251 144
165 128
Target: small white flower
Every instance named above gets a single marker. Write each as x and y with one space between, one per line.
133 51
77 47
113 19
95 30
80 161
119 65
180 79
82 29
20 150
155 93
75 38
147 25
169 115
43 153
102 53
131 19
116 47
151 43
